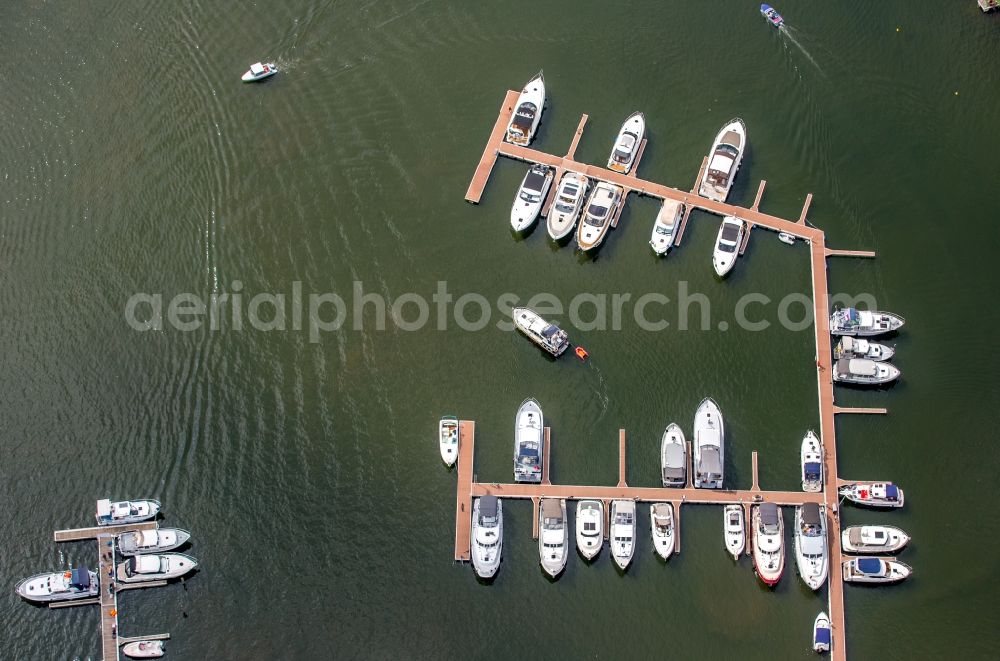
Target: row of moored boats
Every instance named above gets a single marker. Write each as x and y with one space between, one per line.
858 360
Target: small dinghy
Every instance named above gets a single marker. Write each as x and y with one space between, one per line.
530 197
487 535
570 196
853 347
785 237
875 570
735 530
665 226
137 542
622 532
673 457
727 245
811 457
873 539
548 336
724 160
661 521
772 16
862 372
589 527
596 221
448 439
874 494
144 649
821 633
864 323
527 112
126 511
627 143
259 71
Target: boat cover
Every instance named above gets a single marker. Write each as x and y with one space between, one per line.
488 507
534 181
675 456
710 461
891 492
810 514
551 511
550 330
257 68
812 470
732 138
80 577
823 635
862 367
870 565
730 231
769 515
854 534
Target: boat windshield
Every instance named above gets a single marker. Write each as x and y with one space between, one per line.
667 231
563 207
596 215
727 247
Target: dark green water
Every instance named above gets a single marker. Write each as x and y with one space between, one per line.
133 160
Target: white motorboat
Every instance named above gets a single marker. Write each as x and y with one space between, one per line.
626 148
665 227
811 553
864 323
528 431
673 457
861 372
622 532
67 585
527 112
727 245
874 494
553 535
259 71
661 522
854 347
723 161
768 542
873 539
548 336
601 207
785 237
144 649
530 197
137 542
126 511
709 446
487 535
448 439
811 459
735 530
821 633
875 570
589 527
155 567
570 196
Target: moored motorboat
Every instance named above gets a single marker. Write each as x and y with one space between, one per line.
570 196
530 197
854 347
589 527
553 535
448 439
723 161
866 569
771 15
144 649
527 112
259 71
709 445
67 585
126 511
155 567
487 535
811 552
601 206
862 372
548 336
528 426
665 227
864 323
727 245
734 528
768 542
873 539
622 532
811 459
821 633
673 457
873 494
137 542
785 237
627 143
661 523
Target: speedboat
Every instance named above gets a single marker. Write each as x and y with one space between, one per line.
724 160
661 521
862 372
771 15
589 527
530 197
528 426
785 237
448 439
259 71
487 535
137 542
709 445
811 555
596 221
144 649
627 143
673 457
126 511
155 567
527 112
548 336
875 570
735 530
665 226
853 347
864 323
622 531
727 245
570 196
553 535
873 539
768 542
65 585
811 457
821 633
874 494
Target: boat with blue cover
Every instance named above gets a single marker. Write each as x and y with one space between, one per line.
821 633
811 457
771 15
873 494
548 336
875 570
65 585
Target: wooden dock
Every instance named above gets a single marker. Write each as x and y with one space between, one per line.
82 534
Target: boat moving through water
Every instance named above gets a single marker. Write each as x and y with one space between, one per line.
259 71
772 16
548 336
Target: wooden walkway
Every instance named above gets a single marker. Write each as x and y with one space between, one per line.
81 534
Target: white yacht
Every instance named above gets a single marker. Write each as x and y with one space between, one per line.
597 216
875 570
864 323
854 347
735 530
821 633
570 196
448 439
155 567
589 527
126 511
627 143
528 441
137 542
811 459
527 112
768 542
530 197
709 446
861 372
665 227
873 494
553 535
723 161
661 522
144 649
259 71
548 336
487 535
873 539
811 555
622 531
65 585
727 245
673 457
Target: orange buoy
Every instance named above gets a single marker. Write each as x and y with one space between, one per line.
581 353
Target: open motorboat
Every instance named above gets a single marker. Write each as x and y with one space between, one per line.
527 112
570 196
530 197
622 531
589 527
627 143
65 585
137 542
727 245
873 494
821 633
864 323
661 522
723 161
155 567
548 336
665 227
673 457
811 457
771 15
811 554
126 511
487 535
144 649
735 530
448 439
853 347
768 542
553 535
709 445
528 426
873 539
875 570
596 221
259 71
862 372
785 237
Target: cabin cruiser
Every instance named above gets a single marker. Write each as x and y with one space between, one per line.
548 336
673 457
448 439
821 633
861 372
528 426
874 494
596 221
126 511
259 71
589 527
771 15
627 143
811 457
768 542
553 535
853 347
709 446
527 112
873 539
622 531
727 245
864 323
137 542
723 161
665 226
65 585
811 555
875 570
144 649
661 522
530 197
487 535
735 530
570 196
155 567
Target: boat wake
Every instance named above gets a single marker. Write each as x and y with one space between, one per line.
790 34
